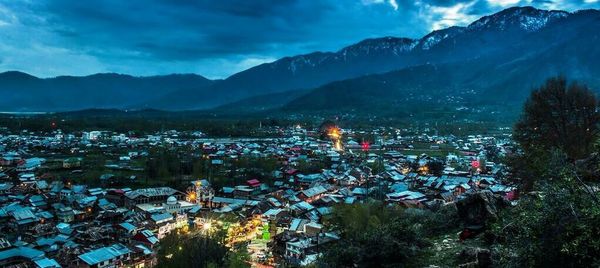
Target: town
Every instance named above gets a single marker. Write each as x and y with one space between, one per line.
107 199
313 134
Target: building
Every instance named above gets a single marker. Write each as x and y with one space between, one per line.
111 256
157 195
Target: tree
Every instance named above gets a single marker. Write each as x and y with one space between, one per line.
435 167
560 116
238 258
179 250
557 119
376 235
558 228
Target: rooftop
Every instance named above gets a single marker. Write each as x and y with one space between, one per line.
104 254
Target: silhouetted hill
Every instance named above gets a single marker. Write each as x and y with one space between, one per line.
23 92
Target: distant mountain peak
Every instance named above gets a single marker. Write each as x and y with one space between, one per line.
435 37
527 18
17 75
368 47
396 45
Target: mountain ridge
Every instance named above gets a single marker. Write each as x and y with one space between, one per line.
517 31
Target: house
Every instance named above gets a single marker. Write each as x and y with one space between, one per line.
23 218
10 159
65 214
243 191
407 198
111 256
142 256
171 206
151 195
254 183
30 164
308 179
312 194
274 214
147 237
20 257
127 228
221 202
296 251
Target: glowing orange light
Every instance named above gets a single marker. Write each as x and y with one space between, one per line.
338 145
191 196
335 133
336 136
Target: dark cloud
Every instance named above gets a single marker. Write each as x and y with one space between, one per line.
215 38
182 30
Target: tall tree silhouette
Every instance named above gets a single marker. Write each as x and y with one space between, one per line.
559 116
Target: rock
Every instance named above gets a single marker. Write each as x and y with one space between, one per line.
479 207
476 257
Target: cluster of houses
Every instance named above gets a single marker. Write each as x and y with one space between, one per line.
49 222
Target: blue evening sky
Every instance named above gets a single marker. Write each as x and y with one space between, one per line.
214 38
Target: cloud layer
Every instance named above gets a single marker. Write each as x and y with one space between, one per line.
213 38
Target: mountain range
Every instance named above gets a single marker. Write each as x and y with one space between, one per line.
494 61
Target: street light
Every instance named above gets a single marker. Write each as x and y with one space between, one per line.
207 226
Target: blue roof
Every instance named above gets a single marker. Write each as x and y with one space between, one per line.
324 210
161 217
146 250
195 209
47 263
150 236
23 252
295 224
104 254
128 226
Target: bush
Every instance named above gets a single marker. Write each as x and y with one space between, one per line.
557 228
375 235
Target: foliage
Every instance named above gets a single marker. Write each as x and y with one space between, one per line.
377 167
558 225
164 164
435 167
529 168
238 258
308 167
147 122
376 235
556 228
204 250
560 116
556 118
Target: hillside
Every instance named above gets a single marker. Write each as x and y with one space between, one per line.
23 92
505 77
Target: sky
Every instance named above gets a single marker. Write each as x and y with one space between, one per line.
214 38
